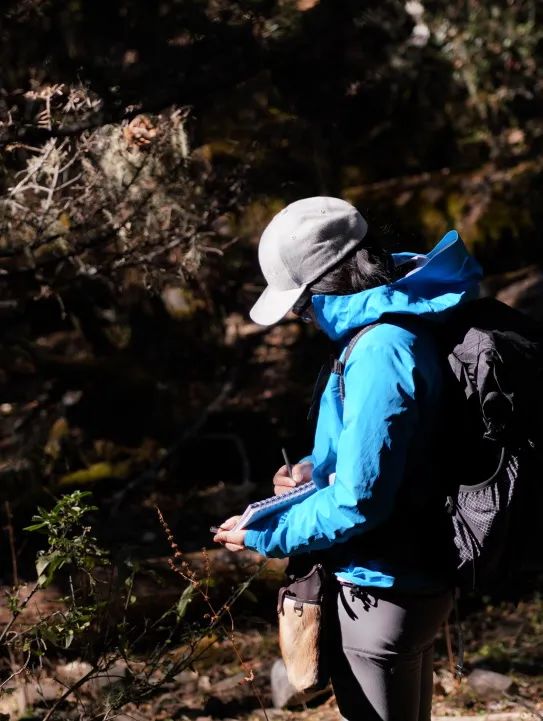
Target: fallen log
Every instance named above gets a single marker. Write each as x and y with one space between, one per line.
157 586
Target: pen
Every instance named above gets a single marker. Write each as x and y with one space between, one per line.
287 463
216 529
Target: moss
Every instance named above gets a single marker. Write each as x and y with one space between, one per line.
96 472
456 207
257 214
433 220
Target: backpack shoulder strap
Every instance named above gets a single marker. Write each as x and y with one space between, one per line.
339 366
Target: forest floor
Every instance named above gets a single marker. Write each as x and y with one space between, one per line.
504 638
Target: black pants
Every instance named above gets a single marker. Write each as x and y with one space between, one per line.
381 650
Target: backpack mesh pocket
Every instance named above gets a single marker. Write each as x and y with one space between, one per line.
482 519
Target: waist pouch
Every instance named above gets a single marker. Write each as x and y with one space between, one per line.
302 616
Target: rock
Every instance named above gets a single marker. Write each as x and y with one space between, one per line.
283 692
72 671
43 689
514 716
489 684
228 683
102 681
188 679
204 684
21 696
525 292
13 702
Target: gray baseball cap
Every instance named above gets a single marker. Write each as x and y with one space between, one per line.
300 244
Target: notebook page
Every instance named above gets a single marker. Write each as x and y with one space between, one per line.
260 509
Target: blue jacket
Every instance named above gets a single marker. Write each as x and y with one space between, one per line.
380 435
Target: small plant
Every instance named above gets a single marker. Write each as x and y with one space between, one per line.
93 619
70 542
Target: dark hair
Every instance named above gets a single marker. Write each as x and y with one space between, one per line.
364 267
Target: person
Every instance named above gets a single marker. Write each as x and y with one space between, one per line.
374 522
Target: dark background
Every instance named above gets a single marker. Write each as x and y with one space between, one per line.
145 145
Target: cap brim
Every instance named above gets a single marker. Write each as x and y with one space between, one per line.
274 305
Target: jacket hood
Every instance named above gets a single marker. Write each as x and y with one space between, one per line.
449 276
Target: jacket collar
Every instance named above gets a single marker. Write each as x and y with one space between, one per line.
447 276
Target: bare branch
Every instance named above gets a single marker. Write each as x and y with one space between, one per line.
18 672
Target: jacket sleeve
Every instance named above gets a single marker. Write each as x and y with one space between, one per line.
380 416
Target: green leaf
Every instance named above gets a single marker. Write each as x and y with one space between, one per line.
184 600
41 566
46 566
36 526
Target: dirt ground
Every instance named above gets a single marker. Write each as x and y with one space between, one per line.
504 638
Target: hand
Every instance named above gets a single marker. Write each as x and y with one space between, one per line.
301 473
232 540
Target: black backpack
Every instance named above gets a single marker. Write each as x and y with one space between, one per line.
490 451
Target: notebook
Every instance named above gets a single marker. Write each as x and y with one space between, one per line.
261 509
